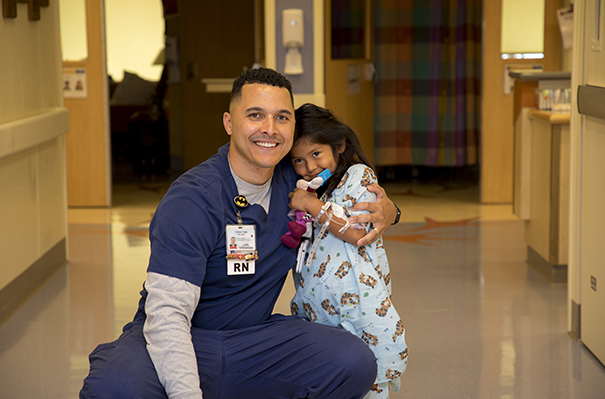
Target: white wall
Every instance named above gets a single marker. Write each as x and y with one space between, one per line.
73 30
522 26
30 63
32 150
586 267
134 33
135 36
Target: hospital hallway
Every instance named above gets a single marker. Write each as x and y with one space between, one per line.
480 323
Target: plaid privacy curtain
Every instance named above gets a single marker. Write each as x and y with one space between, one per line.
428 55
348 29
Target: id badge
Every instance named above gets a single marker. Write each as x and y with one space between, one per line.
241 249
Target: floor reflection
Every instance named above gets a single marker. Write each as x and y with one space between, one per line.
35 348
479 322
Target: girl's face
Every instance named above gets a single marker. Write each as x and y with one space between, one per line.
310 159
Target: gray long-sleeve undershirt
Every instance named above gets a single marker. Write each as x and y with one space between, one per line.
169 307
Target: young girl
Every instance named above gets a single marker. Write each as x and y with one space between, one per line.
342 284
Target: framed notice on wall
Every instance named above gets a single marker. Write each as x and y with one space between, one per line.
74 83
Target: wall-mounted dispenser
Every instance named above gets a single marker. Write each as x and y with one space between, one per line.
293 39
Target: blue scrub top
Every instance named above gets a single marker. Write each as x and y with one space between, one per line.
188 242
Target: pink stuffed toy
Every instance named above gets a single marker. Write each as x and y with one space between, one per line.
298 227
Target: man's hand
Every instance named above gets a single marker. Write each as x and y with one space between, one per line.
382 214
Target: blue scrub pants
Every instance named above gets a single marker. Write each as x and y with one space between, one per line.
284 357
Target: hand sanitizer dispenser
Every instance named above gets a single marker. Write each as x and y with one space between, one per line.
293 39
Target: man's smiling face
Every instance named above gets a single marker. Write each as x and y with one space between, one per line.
261 126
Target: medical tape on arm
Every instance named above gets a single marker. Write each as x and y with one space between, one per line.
339 212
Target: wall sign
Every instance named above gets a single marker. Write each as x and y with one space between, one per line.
9 8
75 83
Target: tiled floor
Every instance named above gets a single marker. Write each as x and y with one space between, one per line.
479 322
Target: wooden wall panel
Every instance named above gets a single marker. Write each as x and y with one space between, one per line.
88 150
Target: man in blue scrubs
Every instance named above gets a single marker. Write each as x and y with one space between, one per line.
204 321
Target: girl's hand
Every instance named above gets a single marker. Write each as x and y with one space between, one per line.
302 200
382 214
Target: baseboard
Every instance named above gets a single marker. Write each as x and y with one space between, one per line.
552 273
21 288
576 324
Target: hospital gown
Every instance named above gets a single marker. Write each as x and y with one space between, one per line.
350 286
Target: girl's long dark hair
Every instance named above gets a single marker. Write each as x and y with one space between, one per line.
321 126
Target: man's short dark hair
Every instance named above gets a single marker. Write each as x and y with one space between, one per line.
264 76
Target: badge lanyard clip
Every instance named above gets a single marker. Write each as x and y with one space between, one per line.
240 203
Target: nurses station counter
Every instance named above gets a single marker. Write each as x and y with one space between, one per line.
542 160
